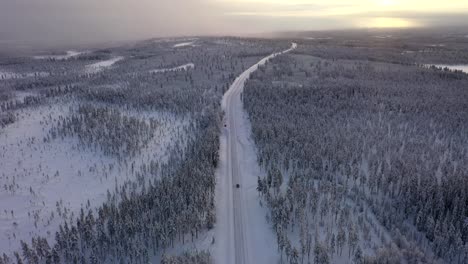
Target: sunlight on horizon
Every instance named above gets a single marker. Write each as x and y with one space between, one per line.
359 13
386 22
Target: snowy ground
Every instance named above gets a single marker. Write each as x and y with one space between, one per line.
21 95
69 54
185 44
312 38
100 66
203 243
463 68
45 183
178 68
242 234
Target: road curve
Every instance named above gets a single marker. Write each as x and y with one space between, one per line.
234 247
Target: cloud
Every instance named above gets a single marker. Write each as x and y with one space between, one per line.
84 21
91 20
336 14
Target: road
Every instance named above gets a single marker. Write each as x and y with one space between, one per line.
240 228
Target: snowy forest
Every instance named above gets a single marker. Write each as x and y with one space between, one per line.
345 147
364 157
108 156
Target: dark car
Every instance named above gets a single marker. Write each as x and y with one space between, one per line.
238 186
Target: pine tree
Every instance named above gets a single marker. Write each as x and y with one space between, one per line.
358 256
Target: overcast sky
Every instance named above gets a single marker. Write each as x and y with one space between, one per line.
107 20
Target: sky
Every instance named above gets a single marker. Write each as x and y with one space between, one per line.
81 21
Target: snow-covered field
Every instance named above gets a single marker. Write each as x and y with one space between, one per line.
313 38
45 183
184 44
100 66
463 68
69 54
178 68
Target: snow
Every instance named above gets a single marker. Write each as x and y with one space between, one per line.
184 67
174 39
69 54
43 178
242 233
4 75
21 95
184 44
10 75
203 243
99 66
407 52
222 42
312 38
436 45
463 68
383 37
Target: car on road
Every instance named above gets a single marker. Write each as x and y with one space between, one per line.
237 186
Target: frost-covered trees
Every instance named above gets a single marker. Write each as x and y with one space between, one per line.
115 133
164 199
372 153
6 119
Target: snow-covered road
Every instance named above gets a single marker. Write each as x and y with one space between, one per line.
242 234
